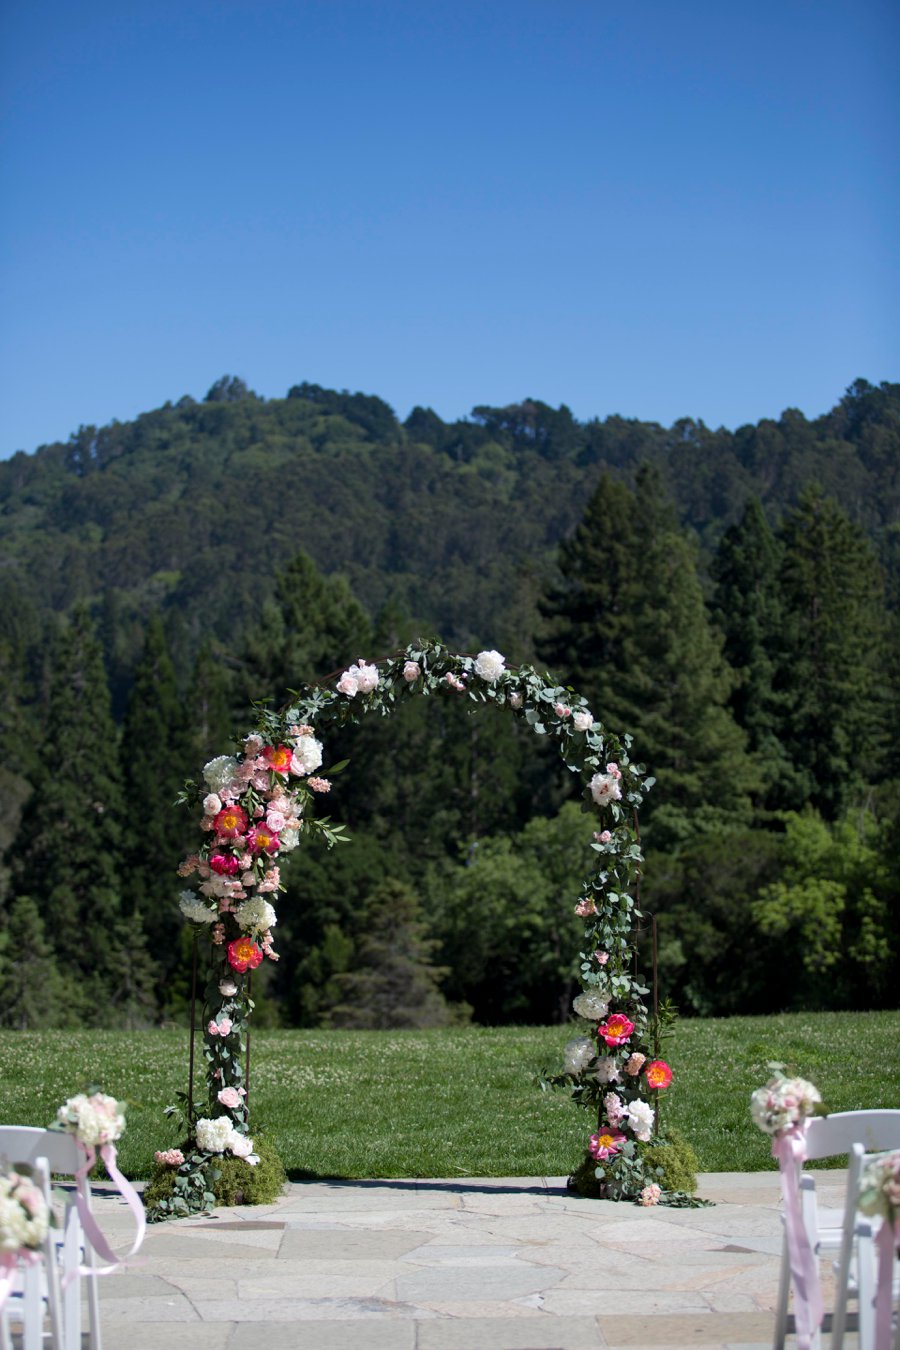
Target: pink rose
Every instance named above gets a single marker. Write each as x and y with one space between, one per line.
348 684
561 710
229 1097
454 682
602 836
212 804
225 1025
411 671
583 721
601 957
213 1028
585 907
614 771
275 819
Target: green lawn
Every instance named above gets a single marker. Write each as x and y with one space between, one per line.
462 1102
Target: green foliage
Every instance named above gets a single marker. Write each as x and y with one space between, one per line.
673 1160
232 1181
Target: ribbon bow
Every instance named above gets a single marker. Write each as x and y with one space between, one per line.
89 1223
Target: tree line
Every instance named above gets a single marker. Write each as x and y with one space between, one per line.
757 677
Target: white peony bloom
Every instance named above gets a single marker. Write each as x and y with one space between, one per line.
640 1119
307 755
255 915
583 721
219 773
591 1006
605 789
578 1054
289 838
490 666
195 909
607 1070
214 1136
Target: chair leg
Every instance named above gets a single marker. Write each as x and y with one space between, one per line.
865 1262
72 1293
781 1307
32 1308
93 1296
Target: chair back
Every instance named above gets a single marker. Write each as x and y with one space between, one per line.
877 1131
26 1143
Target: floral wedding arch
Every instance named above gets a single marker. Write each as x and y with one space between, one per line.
259 803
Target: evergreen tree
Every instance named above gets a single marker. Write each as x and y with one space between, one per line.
832 675
69 857
35 993
628 627
208 704
310 626
155 764
395 983
747 608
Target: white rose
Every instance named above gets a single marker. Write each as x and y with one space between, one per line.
583 721
227 988
605 789
490 666
366 677
307 755
640 1119
348 683
289 838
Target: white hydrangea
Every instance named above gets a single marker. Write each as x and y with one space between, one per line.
94 1120
640 1119
607 1071
578 1054
195 909
214 1136
591 1006
219 773
255 915
307 755
490 666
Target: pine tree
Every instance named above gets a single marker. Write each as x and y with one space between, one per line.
311 625
35 993
748 610
71 842
155 764
395 983
628 627
832 673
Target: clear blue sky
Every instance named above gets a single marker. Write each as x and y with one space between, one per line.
648 208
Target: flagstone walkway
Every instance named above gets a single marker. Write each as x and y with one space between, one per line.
513 1264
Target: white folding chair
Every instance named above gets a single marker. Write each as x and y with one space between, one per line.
837 1231
37 1284
21 1143
858 1239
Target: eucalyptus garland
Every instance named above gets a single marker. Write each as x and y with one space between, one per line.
258 803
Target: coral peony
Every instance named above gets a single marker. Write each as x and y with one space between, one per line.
659 1075
616 1029
278 757
230 822
243 954
263 840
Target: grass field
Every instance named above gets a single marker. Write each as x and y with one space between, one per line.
463 1102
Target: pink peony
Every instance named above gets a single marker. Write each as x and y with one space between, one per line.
616 1029
604 1144
231 822
601 957
263 840
229 1097
224 864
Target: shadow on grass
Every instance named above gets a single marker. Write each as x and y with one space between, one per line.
478 1186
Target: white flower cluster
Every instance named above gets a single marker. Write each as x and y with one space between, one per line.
578 1054
23 1213
490 666
605 787
783 1102
218 1134
358 679
592 1007
220 773
255 915
307 755
607 1070
879 1194
93 1120
640 1119
192 907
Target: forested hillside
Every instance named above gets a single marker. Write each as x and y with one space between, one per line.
728 597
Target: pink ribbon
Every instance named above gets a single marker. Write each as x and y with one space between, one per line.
9 1264
888 1238
89 1223
789 1149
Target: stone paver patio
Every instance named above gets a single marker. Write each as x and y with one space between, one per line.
512 1264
